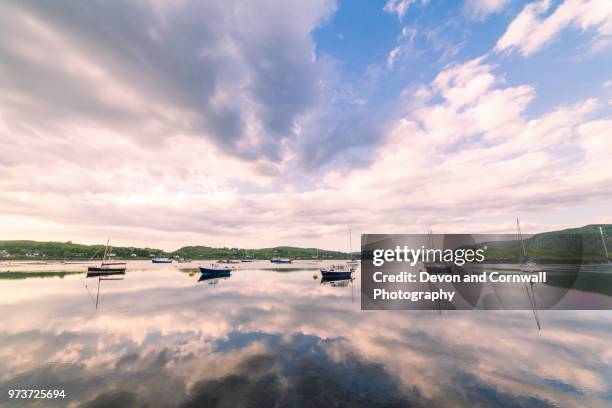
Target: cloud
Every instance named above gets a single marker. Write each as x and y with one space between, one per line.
532 30
455 154
400 7
466 135
202 124
480 9
152 71
405 40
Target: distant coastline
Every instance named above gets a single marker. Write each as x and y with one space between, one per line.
588 249
51 250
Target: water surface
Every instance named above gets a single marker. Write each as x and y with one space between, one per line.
278 337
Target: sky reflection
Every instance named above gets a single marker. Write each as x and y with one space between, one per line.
262 338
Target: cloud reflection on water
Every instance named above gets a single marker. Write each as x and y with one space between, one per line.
262 338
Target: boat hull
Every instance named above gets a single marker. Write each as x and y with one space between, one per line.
160 261
215 271
336 274
281 261
96 271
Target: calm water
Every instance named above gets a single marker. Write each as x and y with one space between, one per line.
267 338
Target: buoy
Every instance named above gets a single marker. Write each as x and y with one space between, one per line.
315 276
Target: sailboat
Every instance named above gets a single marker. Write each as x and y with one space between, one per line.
246 257
106 267
606 265
528 264
353 263
603 242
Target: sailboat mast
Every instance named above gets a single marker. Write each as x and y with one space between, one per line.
105 250
603 241
520 237
351 243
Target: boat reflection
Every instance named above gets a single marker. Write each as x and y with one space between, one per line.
101 277
96 274
336 282
213 278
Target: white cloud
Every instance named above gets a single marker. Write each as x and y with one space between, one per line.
531 30
400 7
201 141
468 148
405 40
209 70
481 9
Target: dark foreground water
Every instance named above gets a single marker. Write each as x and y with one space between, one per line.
266 338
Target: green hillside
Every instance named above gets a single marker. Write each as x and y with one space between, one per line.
204 252
582 244
67 250
38 250
579 244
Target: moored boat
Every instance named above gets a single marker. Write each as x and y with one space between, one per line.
216 269
106 267
248 258
337 271
161 260
605 247
281 260
228 261
353 263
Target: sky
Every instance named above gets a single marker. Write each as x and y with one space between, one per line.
261 123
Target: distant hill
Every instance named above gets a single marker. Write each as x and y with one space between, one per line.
572 244
583 243
36 250
68 250
204 252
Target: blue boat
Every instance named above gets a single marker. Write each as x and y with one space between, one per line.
219 271
281 260
161 260
337 272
